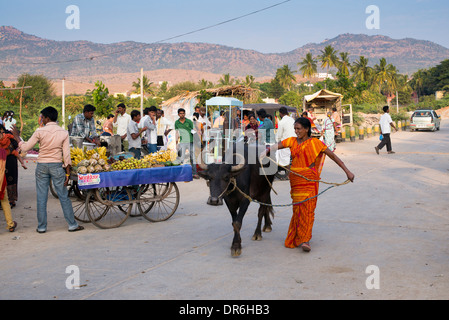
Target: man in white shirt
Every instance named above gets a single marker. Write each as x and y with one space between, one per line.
286 129
164 126
151 135
121 121
385 123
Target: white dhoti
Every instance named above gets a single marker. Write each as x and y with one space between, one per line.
283 157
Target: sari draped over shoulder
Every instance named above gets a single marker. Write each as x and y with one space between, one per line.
307 161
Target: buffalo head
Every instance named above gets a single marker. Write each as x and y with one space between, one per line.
218 177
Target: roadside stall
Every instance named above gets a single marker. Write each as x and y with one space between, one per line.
219 138
322 102
106 194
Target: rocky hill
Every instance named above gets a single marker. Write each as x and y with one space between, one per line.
20 52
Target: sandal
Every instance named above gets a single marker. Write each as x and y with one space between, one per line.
79 228
306 247
13 228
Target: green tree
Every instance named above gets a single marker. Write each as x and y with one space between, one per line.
285 77
343 64
361 72
328 58
308 66
249 81
384 76
101 99
226 80
291 98
146 86
275 89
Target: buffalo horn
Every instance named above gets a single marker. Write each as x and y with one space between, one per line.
240 163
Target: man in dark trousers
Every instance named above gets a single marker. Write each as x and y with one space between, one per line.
385 123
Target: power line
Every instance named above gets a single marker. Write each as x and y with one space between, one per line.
148 44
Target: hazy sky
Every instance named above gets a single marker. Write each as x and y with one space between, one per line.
280 29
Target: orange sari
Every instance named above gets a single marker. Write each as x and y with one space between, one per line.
304 156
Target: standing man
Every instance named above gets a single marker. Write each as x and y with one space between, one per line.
266 129
151 131
53 165
286 129
385 123
134 134
184 127
164 127
121 121
84 125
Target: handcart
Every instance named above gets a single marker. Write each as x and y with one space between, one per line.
107 198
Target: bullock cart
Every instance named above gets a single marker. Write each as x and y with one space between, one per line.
107 198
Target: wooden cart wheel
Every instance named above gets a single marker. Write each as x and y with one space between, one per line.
159 202
135 191
106 210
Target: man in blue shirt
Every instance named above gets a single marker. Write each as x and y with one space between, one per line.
265 128
84 125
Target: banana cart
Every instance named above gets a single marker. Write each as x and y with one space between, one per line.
107 199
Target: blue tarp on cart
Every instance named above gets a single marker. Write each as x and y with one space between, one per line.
135 177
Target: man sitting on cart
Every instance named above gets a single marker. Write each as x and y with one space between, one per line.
84 125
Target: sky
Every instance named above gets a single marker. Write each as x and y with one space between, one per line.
282 28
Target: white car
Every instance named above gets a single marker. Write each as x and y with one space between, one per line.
425 120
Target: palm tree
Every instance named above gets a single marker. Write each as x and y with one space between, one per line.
328 59
226 80
146 85
308 67
285 77
249 81
418 81
205 84
385 76
361 72
344 65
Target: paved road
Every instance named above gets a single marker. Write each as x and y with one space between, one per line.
394 217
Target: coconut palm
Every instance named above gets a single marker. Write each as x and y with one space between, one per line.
361 72
249 81
146 85
344 65
328 58
418 81
226 80
385 76
285 77
308 66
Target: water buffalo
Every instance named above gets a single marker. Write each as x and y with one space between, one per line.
251 180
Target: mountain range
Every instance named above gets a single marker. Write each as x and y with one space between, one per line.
21 52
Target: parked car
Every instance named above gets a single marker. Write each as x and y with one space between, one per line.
425 120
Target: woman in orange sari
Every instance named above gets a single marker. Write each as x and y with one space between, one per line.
308 156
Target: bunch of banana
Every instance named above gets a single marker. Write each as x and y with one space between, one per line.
77 155
160 157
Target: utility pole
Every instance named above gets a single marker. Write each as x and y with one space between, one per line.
141 91
397 102
63 103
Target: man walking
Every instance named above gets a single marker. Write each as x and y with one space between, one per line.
385 123
53 165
